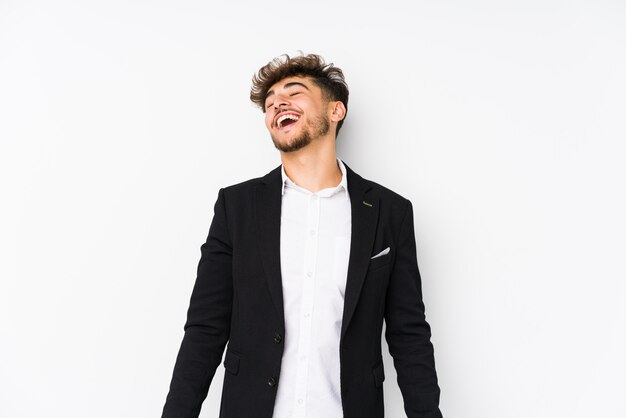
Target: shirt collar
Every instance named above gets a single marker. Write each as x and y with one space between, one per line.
343 183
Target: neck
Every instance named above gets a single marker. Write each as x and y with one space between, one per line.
313 168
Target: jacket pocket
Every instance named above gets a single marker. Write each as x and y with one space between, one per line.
231 362
379 374
380 261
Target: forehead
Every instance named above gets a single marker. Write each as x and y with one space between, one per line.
290 82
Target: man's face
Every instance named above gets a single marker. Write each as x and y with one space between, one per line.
296 113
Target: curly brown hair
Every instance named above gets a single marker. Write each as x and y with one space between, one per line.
327 77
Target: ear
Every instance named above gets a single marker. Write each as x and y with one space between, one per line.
338 111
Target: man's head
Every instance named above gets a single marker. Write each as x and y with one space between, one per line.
289 89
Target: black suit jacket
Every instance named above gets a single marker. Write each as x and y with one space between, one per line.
237 298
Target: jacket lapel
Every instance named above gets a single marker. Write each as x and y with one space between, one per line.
364 220
364 209
267 201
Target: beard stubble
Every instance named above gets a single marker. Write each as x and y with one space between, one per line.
315 129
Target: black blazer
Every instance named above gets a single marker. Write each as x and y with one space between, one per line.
237 298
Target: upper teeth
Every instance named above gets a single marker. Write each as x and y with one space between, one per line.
287 116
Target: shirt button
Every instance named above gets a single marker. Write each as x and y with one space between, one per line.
308 273
271 381
300 401
306 315
312 232
277 338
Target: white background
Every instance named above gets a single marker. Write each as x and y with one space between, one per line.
503 122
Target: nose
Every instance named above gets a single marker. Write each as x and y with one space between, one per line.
280 101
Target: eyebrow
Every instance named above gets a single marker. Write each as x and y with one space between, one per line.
286 86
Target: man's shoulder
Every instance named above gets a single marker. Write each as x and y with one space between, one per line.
247 185
386 194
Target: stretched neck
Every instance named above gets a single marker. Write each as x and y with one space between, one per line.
313 167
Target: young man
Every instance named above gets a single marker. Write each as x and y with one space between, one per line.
299 270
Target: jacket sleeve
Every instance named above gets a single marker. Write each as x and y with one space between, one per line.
407 332
207 327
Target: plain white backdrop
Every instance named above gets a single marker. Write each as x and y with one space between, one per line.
503 122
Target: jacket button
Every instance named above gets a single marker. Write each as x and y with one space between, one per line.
271 381
277 338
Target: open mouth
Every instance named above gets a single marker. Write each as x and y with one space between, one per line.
286 120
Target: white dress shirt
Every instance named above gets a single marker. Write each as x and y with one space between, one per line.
315 232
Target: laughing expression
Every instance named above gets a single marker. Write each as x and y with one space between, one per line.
295 113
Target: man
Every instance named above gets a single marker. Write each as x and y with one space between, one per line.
299 270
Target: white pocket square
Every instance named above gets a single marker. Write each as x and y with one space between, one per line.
383 252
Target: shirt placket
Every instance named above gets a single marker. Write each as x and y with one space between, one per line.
308 296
